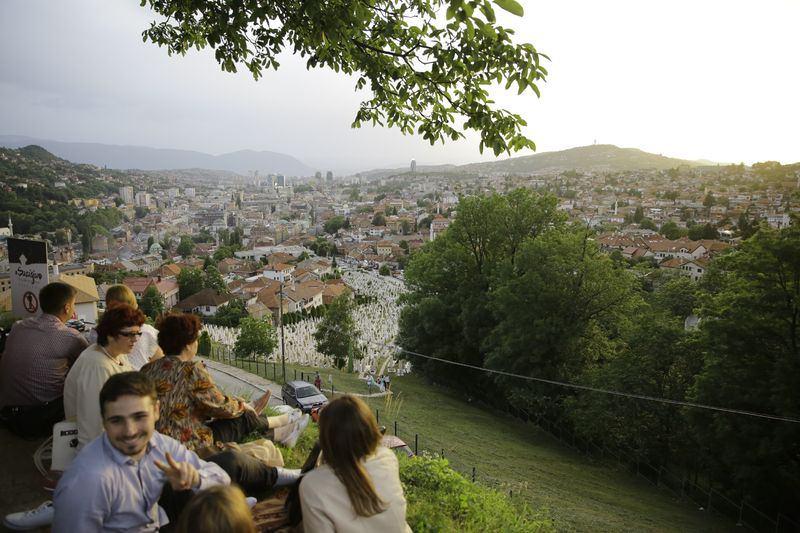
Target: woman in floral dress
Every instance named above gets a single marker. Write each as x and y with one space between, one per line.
193 409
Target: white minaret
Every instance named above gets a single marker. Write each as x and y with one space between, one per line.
10 226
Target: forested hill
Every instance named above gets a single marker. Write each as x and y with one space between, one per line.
36 190
598 157
594 157
147 158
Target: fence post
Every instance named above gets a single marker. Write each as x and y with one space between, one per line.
395 428
333 391
442 453
295 374
377 416
416 443
473 474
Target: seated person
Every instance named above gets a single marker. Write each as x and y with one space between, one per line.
38 354
132 478
117 333
357 485
221 509
195 411
146 348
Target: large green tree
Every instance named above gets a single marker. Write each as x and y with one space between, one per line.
212 279
230 314
152 303
333 224
204 344
256 338
451 278
186 247
190 281
336 334
655 356
751 361
427 63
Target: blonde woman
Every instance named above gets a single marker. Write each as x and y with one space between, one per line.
357 486
221 509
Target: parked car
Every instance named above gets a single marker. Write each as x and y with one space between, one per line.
303 395
77 323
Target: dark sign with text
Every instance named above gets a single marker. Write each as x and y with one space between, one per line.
28 262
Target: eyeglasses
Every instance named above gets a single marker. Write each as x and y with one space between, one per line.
130 334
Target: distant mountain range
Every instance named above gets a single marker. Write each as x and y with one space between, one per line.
144 158
599 157
596 157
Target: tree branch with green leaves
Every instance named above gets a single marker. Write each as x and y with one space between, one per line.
428 63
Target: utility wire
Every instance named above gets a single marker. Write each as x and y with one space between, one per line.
586 387
607 391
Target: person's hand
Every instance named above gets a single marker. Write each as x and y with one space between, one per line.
181 476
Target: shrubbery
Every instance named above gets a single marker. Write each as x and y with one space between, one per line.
441 499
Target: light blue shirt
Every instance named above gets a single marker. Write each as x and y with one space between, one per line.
105 490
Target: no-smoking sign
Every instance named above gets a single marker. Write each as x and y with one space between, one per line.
30 301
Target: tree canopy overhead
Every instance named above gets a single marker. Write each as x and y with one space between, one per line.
427 62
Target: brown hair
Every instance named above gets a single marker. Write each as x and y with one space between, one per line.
176 331
348 433
115 319
127 384
221 509
120 294
54 296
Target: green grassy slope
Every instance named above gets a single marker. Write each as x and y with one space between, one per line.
575 492
578 493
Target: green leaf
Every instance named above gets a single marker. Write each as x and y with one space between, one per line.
512 6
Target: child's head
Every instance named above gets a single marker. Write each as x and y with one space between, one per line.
219 509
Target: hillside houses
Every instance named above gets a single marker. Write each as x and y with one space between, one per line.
167 288
682 255
205 302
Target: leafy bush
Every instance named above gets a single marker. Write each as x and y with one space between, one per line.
441 499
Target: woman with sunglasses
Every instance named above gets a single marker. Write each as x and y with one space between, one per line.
117 333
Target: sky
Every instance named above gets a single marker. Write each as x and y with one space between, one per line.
715 80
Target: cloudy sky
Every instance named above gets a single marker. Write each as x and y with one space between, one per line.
716 79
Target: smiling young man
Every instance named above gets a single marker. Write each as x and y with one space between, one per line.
115 483
132 478
117 333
